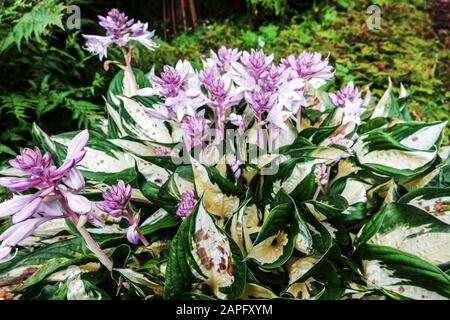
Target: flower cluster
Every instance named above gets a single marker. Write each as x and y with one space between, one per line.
274 93
187 203
119 31
53 192
115 203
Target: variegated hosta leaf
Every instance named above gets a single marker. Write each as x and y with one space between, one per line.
139 279
217 257
244 223
138 148
275 241
128 116
402 150
219 195
138 124
295 177
159 220
399 274
103 162
354 192
387 106
324 284
409 229
180 181
435 201
423 180
257 291
203 253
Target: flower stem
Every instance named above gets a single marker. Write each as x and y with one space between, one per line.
299 119
92 245
143 239
95 248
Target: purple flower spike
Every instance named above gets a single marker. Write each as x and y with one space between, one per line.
133 233
308 65
116 199
215 85
321 173
186 204
195 130
169 81
116 23
119 30
260 101
234 164
55 195
115 203
31 161
224 56
350 92
256 62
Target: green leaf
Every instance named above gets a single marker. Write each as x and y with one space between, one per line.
275 241
403 273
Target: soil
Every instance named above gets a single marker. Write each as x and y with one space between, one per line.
440 16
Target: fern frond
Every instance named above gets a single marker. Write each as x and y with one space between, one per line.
85 112
16 105
34 24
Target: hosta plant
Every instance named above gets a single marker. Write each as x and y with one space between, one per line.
246 179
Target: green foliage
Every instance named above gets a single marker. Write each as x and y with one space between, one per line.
276 6
49 79
33 24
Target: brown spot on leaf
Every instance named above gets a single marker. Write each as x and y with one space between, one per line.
198 235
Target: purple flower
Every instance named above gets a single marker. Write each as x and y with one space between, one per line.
133 233
18 232
321 173
169 81
97 45
115 203
5 253
238 120
341 140
181 87
213 82
256 62
224 56
350 92
31 161
116 24
234 164
195 130
260 101
116 199
55 195
308 65
272 78
187 203
119 30
276 119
